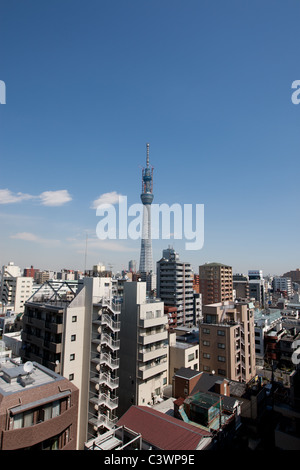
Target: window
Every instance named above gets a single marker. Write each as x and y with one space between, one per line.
71 376
28 419
221 345
18 421
35 416
221 358
74 319
206 331
191 357
72 357
206 343
55 408
73 337
221 332
206 355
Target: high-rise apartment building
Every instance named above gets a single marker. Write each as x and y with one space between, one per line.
78 339
175 287
227 340
215 283
15 288
104 366
143 350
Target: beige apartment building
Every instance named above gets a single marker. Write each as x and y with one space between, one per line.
215 283
143 368
226 340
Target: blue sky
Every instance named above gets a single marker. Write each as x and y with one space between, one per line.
206 83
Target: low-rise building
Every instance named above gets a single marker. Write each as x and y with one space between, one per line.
182 354
163 432
38 408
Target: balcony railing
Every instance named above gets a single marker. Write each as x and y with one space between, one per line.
105 400
113 325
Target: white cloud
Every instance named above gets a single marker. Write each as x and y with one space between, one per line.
106 198
47 198
8 197
55 198
25 236
31 237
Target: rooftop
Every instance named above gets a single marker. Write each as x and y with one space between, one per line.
161 430
186 373
15 376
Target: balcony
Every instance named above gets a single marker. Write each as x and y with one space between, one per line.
107 340
110 382
103 421
145 372
153 353
152 338
105 400
109 361
152 321
106 320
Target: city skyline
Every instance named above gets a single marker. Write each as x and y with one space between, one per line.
208 85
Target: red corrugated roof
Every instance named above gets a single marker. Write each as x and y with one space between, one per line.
161 430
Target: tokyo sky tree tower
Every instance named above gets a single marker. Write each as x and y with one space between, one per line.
146 260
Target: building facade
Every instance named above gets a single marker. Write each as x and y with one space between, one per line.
240 284
182 354
15 289
63 336
175 287
143 348
215 283
283 285
226 340
38 408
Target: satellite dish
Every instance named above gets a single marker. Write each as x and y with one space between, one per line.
28 367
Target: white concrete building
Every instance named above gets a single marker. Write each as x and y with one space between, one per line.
264 321
182 354
283 284
15 289
144 349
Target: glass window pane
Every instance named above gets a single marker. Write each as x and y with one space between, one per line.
28 419
47 410
18 421
55 409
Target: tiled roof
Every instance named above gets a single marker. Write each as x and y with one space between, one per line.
161 430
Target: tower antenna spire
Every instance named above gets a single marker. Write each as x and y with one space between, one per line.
148 145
